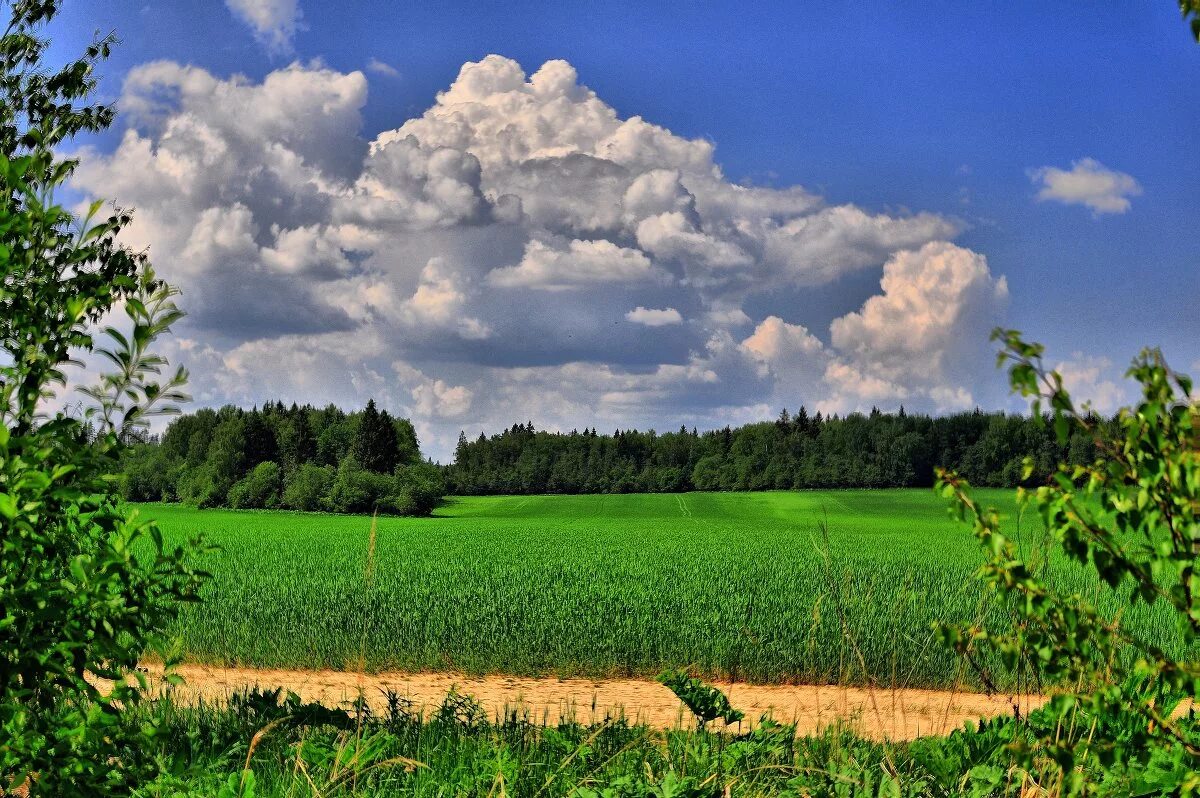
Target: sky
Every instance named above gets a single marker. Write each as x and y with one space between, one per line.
651 215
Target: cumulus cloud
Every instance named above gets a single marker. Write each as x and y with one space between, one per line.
922 341
274 22
579 264
926 334
652 317
1088 182
440 301
774 340
477 264
1092 382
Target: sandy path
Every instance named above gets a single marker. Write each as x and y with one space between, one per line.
895 714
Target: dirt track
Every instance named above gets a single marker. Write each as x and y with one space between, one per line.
894 714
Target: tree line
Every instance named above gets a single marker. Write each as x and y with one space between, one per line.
300 458
875 450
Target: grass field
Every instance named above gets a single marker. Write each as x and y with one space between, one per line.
732 584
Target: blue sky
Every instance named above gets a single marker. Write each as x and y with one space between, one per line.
944 109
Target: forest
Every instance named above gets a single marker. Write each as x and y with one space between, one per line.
307 458
875 450
300 458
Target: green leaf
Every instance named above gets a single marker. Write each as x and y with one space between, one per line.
8 506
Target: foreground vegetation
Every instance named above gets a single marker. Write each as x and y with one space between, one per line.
266 745
741 585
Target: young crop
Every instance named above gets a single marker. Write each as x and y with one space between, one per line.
612 586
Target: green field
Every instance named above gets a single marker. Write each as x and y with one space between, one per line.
732 584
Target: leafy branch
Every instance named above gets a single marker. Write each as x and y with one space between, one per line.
127 398
1132 517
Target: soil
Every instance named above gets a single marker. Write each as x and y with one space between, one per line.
897 714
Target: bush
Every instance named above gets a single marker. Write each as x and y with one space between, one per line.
358 491
1132 517
145 475
401 503
198 489
308 488
259 490
421 486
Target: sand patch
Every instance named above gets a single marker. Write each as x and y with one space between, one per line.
899 714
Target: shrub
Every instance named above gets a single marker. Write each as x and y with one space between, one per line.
198 489
421 486
357 491
308 488
401 503
259 489
144 475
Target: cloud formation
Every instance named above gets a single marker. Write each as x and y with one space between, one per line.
653 317
1092 382
274 22
1088 182
519 251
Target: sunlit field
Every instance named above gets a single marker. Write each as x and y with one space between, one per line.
735 585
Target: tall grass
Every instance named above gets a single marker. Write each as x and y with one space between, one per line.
457 750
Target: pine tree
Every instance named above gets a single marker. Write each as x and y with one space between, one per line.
258 439
362 446
801 420
386 448
297 443
375 445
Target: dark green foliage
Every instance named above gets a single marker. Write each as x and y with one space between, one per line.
76 604
704 701
308 488
422 485
375 447
295 439
356 490
858 451
318 460
144 475
258 443
258 490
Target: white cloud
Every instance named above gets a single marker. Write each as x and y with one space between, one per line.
774 340
579 264
440 301
652 317
476 265
433 398
924 339
1092 382
1088 182
274 22
382 68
